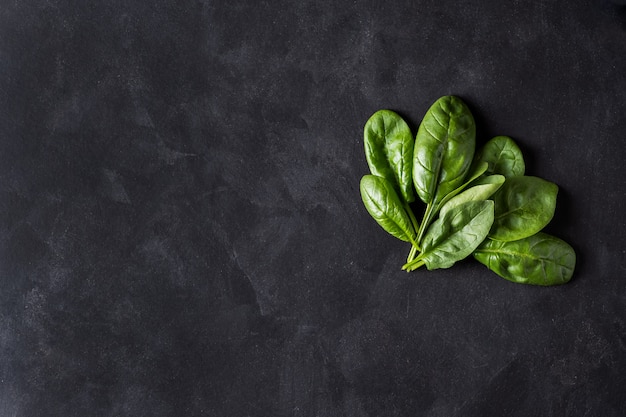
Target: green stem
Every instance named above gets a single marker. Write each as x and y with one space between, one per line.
412 266
412 254
415 243
417 265
425 222
411 216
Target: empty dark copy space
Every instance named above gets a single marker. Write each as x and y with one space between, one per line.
182 233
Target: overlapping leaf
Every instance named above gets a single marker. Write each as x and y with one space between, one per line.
482 205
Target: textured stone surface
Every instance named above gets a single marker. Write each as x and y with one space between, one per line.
181 232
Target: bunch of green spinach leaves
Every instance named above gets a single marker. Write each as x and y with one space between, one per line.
474 203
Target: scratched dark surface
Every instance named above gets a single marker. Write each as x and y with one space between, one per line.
181 231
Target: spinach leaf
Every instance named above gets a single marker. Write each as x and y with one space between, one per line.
455 235
476 173
524 206
482 189
432 209
389 150
444 148
539 259
483 204
384 205
503 155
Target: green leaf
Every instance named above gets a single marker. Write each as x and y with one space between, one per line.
482 190
432 210
444 148
524 206
384 205
539 259
503 155
476 173
389 150
455 235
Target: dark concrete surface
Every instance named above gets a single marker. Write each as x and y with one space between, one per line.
181 231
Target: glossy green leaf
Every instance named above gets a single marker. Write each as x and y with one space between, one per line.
432 210
389 150
539 259
444 148
476 173
384 205
482 189
456 235
524 206
503 155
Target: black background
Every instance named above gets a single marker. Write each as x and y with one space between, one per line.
181 231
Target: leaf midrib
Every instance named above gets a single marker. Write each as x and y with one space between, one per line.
519 254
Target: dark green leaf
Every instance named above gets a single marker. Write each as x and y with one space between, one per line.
540 259
503 155
524 206
476 173
482 189
444 148
389 150
384 205
457 234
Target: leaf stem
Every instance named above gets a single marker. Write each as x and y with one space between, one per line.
416 227
412 253
412 266
425 222
411 216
